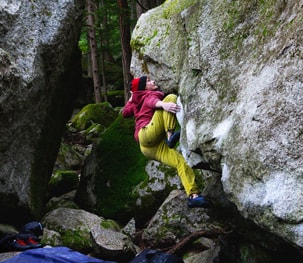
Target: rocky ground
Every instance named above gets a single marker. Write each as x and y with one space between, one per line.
173 229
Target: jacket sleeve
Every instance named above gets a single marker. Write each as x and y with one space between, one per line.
128 110
153 99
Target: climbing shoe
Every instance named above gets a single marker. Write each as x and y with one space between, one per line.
19 245
24 242
174 138
198 201
33 242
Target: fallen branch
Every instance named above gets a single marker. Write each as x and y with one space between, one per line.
192 237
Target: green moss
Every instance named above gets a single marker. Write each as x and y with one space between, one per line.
63 175
136 44
110 224
101 113
121 166
94 131
169 9
111 93
244 18
76 239
139 43
62 182
173 7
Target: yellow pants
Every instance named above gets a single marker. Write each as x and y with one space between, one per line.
153 146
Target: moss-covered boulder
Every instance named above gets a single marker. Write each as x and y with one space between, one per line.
62 182
84 128
100 113
86 232
65 200
71 156
114 167
72 227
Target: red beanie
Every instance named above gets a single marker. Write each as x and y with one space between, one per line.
138 84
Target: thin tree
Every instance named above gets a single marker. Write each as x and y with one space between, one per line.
124 26
102 24
91 9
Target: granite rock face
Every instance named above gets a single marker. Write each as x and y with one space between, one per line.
39 78
237 68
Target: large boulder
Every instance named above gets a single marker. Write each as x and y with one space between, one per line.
40 73
87 233
237 67
174 221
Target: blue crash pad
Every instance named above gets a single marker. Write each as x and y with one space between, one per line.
53 255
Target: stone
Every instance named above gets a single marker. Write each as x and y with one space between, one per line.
238 74
36 96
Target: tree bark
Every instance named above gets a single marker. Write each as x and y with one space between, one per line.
103 24
91 8
124 26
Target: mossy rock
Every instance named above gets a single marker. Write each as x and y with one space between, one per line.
69 157
101 113
62 182
120 167
110 224
57 202
51 238
94 131
77 239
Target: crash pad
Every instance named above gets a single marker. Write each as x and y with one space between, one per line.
53 255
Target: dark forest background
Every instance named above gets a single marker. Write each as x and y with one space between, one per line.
105 46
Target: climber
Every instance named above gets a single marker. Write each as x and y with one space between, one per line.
155 117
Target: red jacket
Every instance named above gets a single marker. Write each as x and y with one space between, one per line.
142 107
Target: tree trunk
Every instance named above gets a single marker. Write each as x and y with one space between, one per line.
91 8
103 24
124 26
